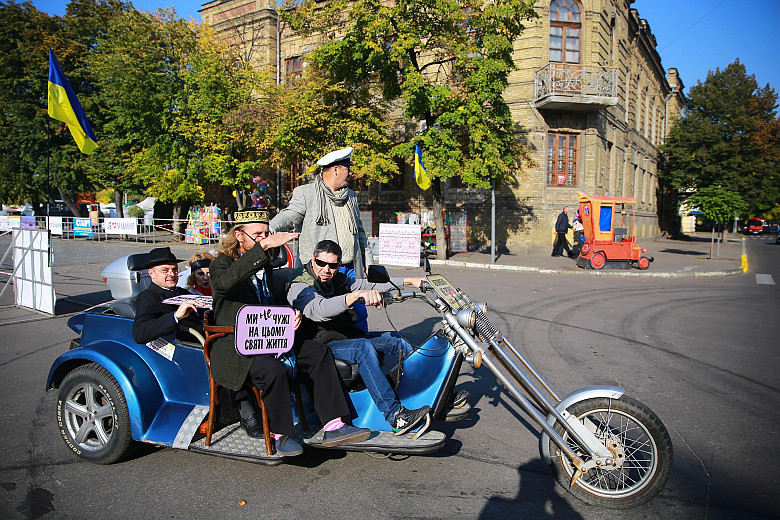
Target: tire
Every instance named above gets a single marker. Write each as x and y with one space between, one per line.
92 415
643 263
585 248
644 442
598 260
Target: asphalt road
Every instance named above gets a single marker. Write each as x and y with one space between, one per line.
702 353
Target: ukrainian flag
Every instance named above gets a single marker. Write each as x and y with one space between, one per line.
65 107
420 175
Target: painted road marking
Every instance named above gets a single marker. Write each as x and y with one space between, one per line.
765 279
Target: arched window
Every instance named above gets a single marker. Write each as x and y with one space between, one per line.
565 25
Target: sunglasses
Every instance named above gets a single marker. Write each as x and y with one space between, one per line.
323 263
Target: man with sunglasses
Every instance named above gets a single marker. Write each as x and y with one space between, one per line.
242 274
326 209
155 319
326 297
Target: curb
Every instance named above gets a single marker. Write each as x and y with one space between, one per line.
586 272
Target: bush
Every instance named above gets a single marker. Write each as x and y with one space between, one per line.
134 211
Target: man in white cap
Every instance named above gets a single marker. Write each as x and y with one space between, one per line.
328 210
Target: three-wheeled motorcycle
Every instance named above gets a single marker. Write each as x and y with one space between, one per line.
610 241
607 448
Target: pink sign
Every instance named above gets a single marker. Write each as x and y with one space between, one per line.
262 329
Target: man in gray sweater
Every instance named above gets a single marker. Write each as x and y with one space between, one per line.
325 297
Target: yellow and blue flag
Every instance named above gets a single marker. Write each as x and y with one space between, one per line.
65 107
420 175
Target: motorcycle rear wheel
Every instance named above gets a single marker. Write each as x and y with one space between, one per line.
644 443
92 415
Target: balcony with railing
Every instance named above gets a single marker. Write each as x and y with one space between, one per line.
563 86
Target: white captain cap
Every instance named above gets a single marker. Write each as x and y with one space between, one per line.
340 157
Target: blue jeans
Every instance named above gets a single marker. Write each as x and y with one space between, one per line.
361 320
363 352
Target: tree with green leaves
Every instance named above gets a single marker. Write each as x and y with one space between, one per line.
446 63
224 116
729 136
25 34
719 205
140 66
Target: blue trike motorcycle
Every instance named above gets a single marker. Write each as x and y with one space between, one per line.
606 448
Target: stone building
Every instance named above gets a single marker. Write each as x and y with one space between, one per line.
589 96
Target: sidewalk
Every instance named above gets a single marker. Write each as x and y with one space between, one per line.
673 258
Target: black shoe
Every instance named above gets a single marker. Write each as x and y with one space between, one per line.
404 420
252 426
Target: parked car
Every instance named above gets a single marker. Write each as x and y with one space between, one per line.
777 235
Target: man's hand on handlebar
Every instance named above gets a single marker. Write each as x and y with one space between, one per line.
414 281
369 297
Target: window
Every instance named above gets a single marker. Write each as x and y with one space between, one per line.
293 69
561 159
565 31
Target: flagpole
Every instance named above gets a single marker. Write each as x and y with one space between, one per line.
48 189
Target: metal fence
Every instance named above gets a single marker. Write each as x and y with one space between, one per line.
142 230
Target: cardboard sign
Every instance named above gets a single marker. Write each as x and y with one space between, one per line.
55 225
399 244
120 226
82 227
28 222
4 226
198 299
262 329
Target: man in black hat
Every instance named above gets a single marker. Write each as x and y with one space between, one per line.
242 274
153 318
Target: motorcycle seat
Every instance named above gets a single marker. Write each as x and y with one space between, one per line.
350 375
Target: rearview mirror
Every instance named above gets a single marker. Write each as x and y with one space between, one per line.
378 274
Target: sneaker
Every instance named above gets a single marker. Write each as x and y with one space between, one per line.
344 435
404 420
286 446
458 399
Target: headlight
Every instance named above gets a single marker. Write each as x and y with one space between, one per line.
466 318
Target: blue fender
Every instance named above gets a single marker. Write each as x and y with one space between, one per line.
611 392
134 377
423 379
161 394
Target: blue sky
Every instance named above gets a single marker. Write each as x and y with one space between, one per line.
694 36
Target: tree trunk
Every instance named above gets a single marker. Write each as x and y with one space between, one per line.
120 210
178 225
68 200
240 200
438 216
712 239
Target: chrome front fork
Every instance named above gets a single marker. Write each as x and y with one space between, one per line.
517 382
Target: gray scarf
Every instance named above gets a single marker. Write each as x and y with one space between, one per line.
338 199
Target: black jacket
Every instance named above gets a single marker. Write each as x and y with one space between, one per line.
232 288
154 319
562 224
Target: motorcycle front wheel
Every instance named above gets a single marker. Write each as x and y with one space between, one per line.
640 443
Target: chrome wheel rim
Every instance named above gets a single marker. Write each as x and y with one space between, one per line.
641 455
89 417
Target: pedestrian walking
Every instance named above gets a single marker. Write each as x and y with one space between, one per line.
562 227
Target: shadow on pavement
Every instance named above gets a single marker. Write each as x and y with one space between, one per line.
537 497
70 304
683 252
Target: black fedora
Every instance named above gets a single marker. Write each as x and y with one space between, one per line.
160 255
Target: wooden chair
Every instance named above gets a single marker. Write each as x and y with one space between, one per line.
214 332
